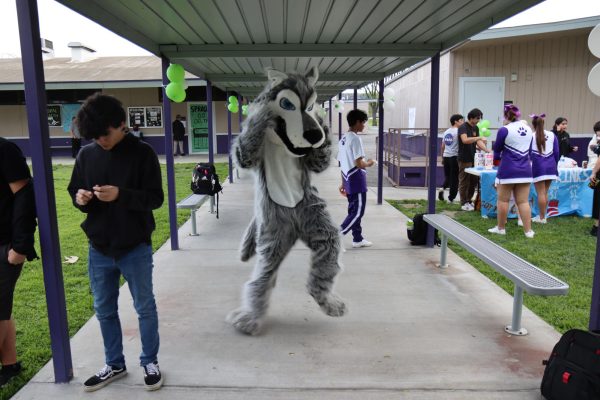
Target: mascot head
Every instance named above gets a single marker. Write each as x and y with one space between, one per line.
291 100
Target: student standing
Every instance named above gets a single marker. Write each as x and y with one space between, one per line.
450 158
17 227
351 156
116 182
469 141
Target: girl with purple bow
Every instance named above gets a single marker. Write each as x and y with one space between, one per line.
513 148
544 159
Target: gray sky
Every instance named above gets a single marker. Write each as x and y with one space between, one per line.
61 25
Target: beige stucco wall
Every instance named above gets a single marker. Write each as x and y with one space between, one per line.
14 118
551 70
413 91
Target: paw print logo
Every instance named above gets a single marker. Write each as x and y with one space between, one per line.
522 131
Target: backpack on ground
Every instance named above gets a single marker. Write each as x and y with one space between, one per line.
206 181
418 234
573 369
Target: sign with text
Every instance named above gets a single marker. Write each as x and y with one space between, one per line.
198 127
54 115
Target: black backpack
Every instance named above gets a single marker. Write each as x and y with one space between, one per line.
418 234
206 181
573 369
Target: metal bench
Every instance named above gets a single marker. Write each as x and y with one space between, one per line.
193 203
523 274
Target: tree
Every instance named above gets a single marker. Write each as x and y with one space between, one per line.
372 92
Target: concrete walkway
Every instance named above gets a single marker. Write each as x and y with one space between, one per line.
413 331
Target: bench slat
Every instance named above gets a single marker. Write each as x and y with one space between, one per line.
521 272
193 201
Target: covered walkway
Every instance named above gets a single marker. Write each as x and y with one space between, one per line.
413 331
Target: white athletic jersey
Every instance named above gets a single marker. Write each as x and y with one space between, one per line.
350 149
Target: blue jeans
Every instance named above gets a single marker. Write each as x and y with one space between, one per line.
136 267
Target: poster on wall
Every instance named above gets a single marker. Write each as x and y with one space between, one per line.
137 115
54 115
198 127
154 117
68 112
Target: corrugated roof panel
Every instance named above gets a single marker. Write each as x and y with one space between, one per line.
254 23
317 15
376 18
446 16
356 18
394 21
214 19
337 16
295 19
234 18
275 24
192 15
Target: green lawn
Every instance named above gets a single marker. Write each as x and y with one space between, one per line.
563 247
30 313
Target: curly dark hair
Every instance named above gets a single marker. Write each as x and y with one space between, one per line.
98 113
355 116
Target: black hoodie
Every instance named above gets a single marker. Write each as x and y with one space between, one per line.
114 228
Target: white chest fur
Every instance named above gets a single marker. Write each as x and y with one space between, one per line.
283 175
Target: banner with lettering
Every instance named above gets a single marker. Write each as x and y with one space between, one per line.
570 195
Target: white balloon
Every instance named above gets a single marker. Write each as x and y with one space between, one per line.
594 41
388 106
339 106
388 93
594 80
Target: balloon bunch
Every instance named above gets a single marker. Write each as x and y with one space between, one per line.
244 109
233 105
338 105
594 75
320 111
389 99
176 88
484 126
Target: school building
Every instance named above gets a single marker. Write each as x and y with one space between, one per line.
136 81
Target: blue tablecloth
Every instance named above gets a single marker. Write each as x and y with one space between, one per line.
570 195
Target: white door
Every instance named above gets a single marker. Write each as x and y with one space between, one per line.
485 93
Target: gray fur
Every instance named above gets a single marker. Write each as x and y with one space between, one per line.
276 228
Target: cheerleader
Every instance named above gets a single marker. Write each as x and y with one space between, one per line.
513 148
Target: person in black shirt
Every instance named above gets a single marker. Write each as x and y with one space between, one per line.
116 181
178 135
468 141
17 227
564 139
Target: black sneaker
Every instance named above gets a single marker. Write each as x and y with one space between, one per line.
594 231
152 376
441 195
9 371
105 376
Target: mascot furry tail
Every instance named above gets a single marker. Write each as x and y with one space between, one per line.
283 140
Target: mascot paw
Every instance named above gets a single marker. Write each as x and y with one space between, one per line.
244 321
333 306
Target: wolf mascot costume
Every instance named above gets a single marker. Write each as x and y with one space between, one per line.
283 140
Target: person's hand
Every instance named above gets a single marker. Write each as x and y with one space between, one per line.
575 148
106 193
370 162
593 178
15 258
342 191
83 197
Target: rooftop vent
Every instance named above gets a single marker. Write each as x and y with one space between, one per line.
80 52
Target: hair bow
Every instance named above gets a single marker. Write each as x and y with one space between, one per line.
513 108
534 116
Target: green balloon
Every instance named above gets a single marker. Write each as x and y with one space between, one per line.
245 109
233 100
175 73
175 92
484 123
486 132
233 108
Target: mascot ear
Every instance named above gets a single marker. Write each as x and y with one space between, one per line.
275 77
312 76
